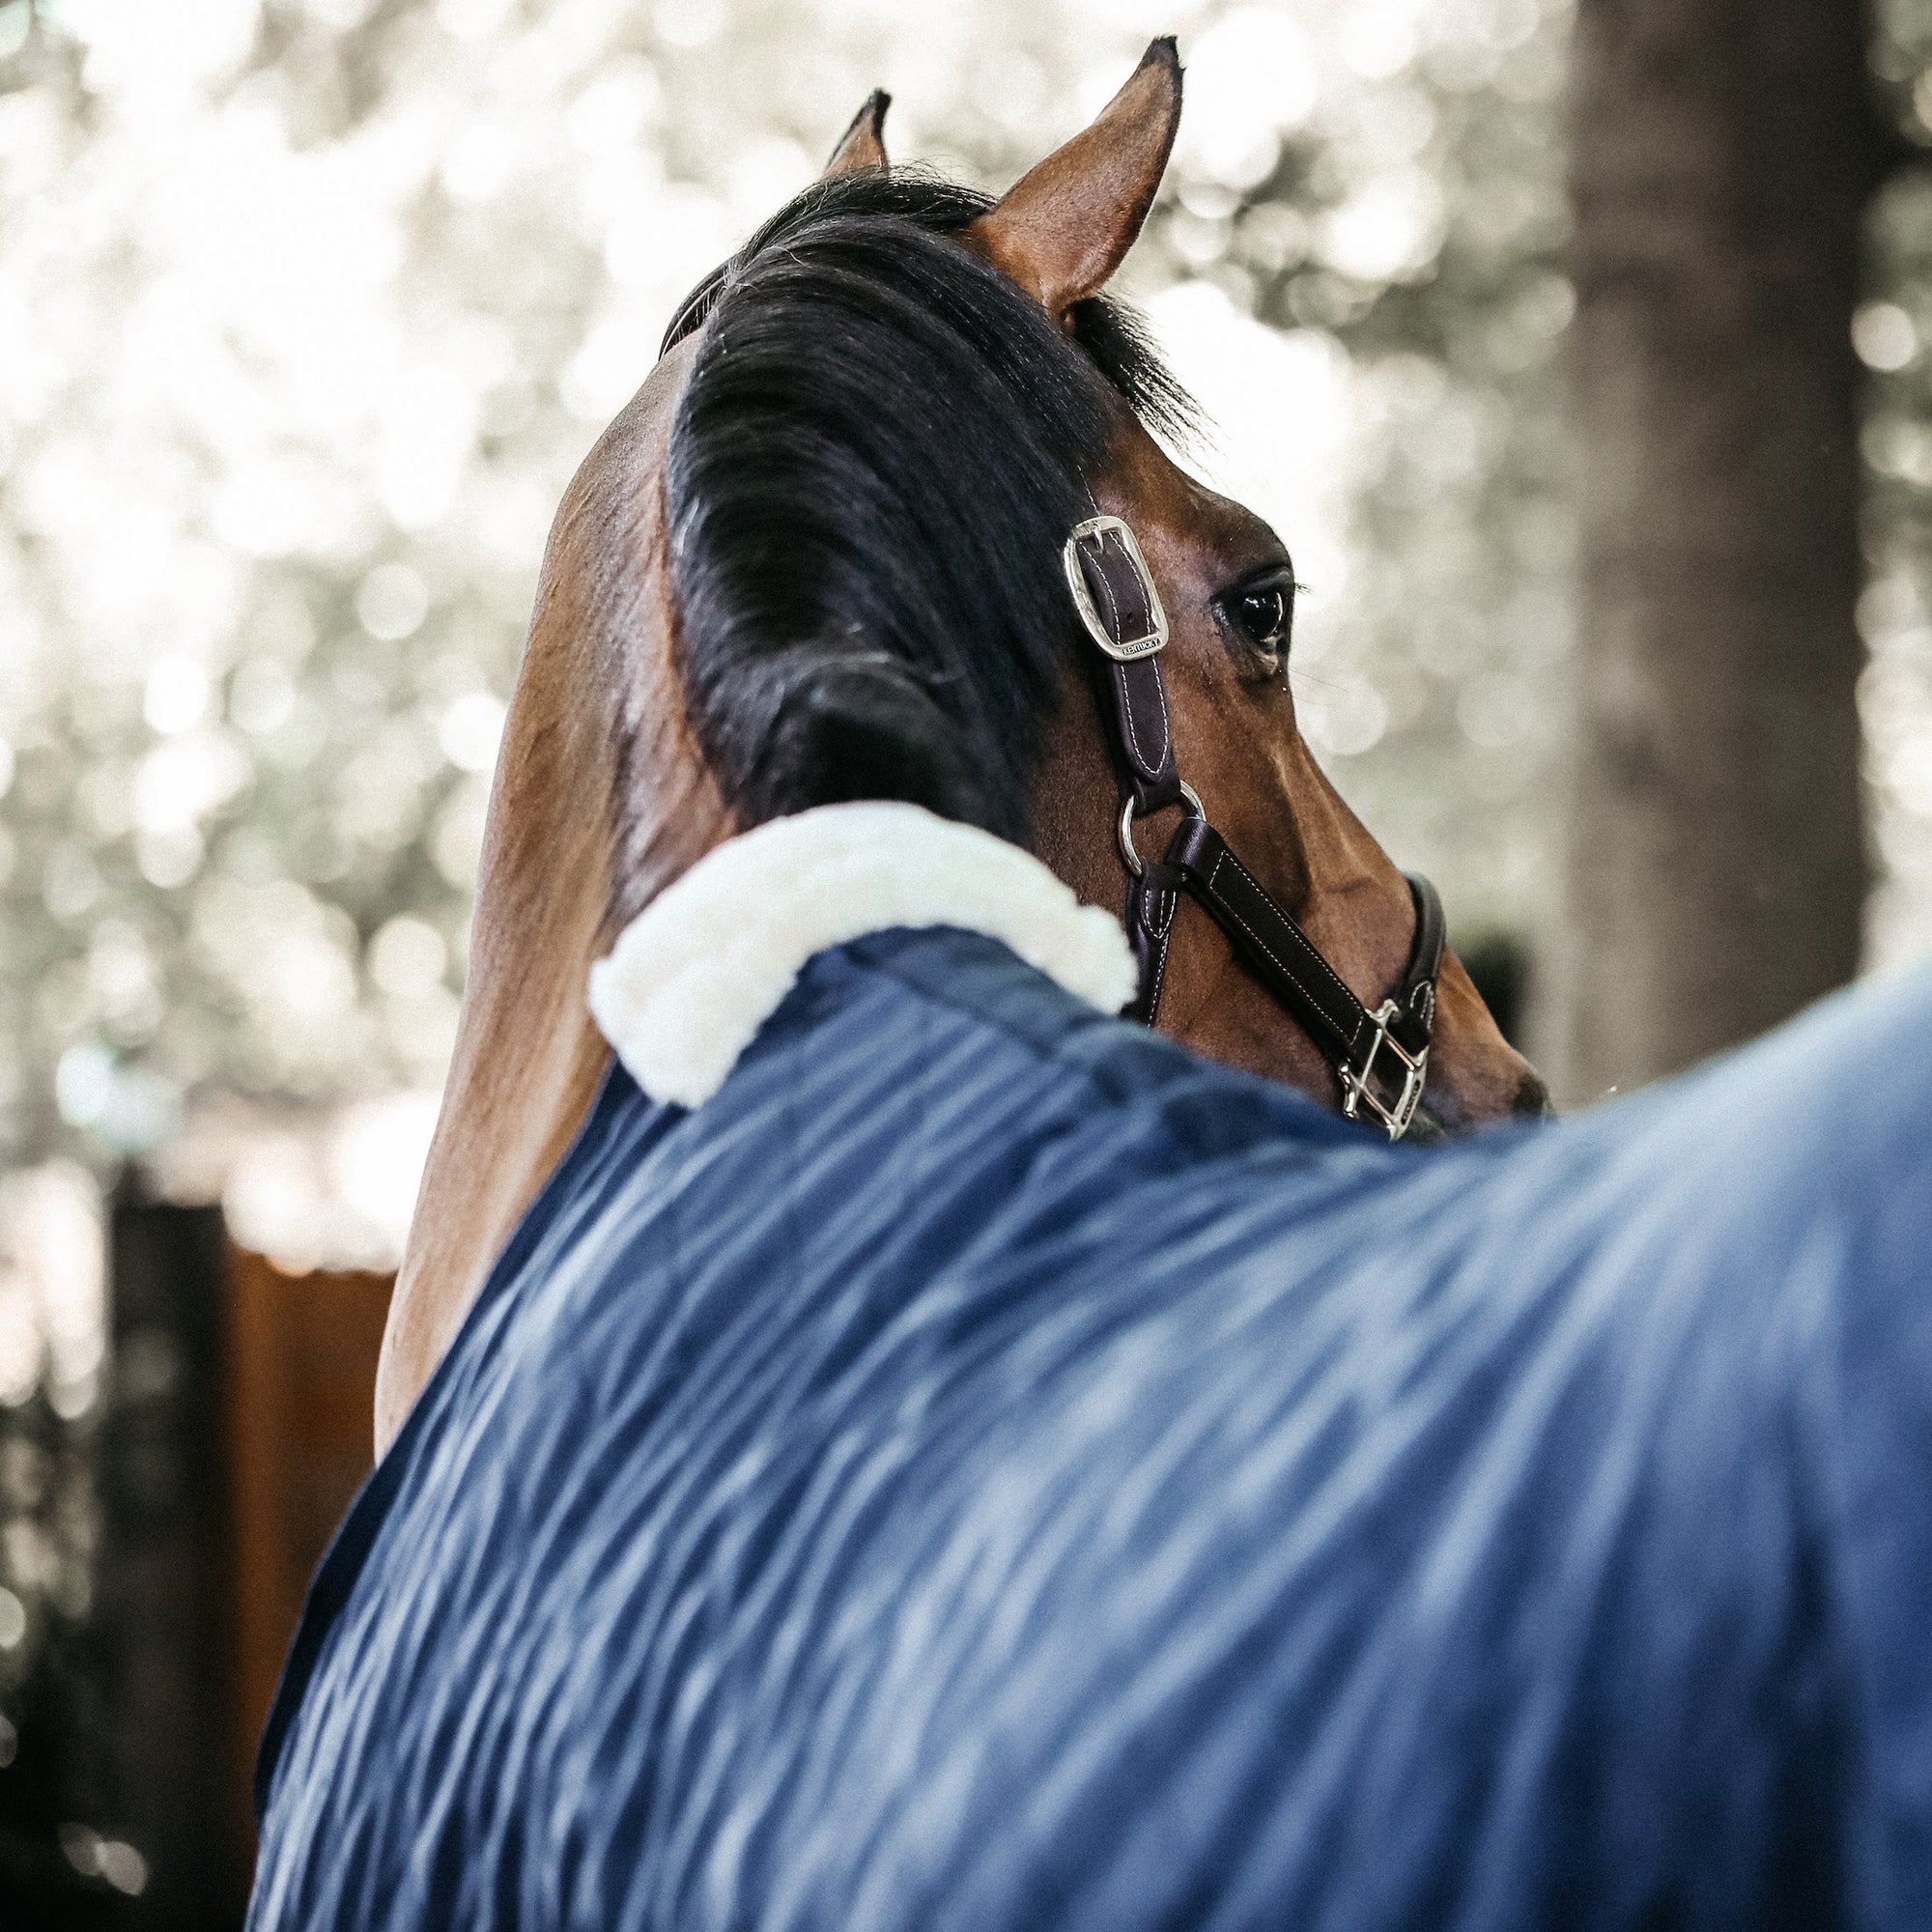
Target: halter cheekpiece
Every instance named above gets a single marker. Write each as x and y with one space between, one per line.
1380 1058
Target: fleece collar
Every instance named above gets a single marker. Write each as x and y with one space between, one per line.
704 965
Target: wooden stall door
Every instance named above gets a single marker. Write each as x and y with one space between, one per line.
301 1403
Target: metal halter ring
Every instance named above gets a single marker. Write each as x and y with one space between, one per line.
1128 856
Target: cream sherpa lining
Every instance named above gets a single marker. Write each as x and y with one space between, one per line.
704 965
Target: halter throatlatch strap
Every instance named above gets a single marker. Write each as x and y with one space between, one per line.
1380 1058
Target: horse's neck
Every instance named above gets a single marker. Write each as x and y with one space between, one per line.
600 799
526 1059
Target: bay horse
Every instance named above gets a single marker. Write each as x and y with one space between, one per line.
887 619
894 1446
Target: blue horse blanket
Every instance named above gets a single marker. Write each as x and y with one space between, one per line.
988 1469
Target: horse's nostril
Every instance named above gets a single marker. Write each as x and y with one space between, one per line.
1532 1096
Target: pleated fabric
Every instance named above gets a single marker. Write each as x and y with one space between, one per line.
987 1469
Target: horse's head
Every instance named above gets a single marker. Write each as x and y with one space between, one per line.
876 459
1228 585
818 557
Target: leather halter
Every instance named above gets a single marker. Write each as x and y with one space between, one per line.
1380 1058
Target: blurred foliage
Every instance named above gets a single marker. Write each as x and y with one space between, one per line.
1892 334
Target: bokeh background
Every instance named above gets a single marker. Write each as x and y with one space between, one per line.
308 309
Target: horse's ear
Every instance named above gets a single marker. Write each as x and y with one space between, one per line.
863 145
1063 228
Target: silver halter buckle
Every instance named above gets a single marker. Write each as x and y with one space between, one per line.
1124 650
1357 1093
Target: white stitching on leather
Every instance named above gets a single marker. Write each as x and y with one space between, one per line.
1287 972
1127 698
1228 854
1166 730
1127 713
1107 591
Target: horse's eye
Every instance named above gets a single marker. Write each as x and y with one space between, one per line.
1263 613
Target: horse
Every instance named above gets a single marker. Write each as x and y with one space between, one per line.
876 1434
632 746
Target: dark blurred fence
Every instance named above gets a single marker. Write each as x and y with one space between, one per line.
236 1430
162 1596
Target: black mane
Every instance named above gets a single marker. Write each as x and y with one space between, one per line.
880 450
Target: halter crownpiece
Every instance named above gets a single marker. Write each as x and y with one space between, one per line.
1381 1058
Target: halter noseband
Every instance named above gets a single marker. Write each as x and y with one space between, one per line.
1380 1058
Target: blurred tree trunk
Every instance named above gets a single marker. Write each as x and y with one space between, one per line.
1724 150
